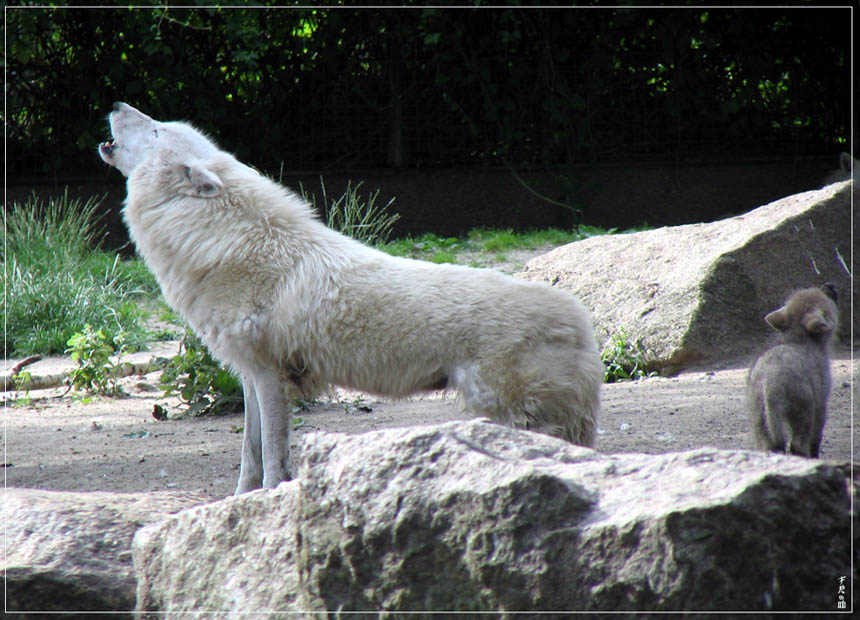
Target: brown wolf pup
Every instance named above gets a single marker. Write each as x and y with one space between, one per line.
789 384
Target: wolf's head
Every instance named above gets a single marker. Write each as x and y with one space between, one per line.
137 138
809 313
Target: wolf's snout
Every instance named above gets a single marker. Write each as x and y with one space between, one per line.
106 150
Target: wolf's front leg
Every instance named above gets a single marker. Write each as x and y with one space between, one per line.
251 466
274 427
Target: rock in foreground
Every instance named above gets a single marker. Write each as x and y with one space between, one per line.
475 516
72 551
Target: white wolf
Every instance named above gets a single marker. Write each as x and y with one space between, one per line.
293 306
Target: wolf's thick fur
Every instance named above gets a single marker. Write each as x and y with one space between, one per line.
289 303
790 383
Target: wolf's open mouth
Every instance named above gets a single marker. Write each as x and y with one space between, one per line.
106 148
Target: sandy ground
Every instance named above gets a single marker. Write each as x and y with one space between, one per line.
115 444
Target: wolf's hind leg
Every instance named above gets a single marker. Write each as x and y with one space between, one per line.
559 393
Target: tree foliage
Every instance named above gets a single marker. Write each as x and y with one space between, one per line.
326 87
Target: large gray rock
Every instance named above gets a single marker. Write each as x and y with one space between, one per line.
72 551
476 516
238 554
700 291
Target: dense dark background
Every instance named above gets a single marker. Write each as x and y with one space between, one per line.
544 102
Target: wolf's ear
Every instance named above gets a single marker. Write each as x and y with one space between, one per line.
778 319
198 181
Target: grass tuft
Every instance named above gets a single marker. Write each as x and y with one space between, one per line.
357 217
57 280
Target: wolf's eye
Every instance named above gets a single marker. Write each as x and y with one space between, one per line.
155 132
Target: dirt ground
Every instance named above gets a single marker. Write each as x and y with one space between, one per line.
115 444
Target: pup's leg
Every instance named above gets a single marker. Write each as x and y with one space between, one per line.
274 427
774 418
818 431
251 467
758 417
805 437
765 411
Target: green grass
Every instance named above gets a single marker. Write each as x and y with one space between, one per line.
497 240
354 215
57 280
492 242
423 247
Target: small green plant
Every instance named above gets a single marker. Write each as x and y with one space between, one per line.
201 384
95 373
355 216
624 358
22 381
356 405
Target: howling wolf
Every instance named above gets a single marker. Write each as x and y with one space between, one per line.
293 306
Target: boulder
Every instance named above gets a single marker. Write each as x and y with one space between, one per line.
701 291
473 516
72 551
238 554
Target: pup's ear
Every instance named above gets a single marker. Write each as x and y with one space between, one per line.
815 322
828 289
198 181
778 319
